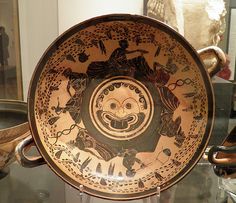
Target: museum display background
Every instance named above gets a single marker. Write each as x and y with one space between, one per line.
40 23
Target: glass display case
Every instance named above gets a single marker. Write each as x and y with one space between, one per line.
27 28
10 61
41 185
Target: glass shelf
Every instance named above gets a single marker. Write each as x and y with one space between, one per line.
41 185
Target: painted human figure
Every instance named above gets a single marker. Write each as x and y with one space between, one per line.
76 81
117 64
129 159
4 43
76 85
118 58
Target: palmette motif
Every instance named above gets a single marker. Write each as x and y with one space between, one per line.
121 108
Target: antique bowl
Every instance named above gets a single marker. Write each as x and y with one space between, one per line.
223 157
121 105
13 128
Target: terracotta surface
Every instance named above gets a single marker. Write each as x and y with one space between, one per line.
121 104
14 127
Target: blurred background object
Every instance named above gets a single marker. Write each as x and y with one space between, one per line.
10 62
202 23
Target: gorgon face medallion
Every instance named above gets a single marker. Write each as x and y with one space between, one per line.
121 108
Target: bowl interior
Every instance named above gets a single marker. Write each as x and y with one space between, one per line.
9 118
13 119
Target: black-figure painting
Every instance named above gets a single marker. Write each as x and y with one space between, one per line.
120 106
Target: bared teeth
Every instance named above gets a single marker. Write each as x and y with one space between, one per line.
119 124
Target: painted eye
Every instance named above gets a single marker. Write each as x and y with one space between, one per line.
128 105
112 105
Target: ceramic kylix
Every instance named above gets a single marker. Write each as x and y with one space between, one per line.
13 128
224 157
121 104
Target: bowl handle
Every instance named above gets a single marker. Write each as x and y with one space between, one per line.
228 161
21 157
216 53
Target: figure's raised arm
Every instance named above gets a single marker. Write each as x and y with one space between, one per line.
142 51
68 88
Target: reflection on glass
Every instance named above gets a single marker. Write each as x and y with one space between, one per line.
10 71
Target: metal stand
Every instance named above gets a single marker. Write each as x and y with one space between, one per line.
83 197
81 194
158 195
223 192
155 198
